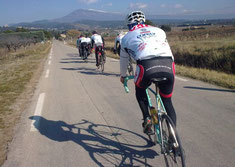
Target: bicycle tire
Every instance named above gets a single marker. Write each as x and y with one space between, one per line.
85 55
173 155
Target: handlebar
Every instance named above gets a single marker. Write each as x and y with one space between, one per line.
125 83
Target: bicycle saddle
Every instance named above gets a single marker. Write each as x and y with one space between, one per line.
157 80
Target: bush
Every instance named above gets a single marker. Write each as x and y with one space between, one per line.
166 28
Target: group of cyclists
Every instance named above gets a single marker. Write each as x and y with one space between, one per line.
85 45
148 46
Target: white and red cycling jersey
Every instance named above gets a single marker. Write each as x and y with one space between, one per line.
143 42
97 40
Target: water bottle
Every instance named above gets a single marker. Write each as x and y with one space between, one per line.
154 115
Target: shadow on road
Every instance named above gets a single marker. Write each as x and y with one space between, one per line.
92 71
72 55
210 89
79 60
106 145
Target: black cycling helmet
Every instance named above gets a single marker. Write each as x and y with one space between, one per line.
94 32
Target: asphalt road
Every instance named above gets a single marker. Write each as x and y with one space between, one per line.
79 116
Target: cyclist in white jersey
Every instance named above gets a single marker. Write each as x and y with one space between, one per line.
118 41
82 43
88 41
149 47
96 42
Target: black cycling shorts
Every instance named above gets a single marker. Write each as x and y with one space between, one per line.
156 68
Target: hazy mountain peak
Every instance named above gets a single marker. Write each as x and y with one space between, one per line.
97 10
89 14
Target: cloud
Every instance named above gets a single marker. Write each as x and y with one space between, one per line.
138 5
178 6
110 4
163 5
88 1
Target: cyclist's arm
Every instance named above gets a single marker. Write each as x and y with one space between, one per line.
103 41
124 58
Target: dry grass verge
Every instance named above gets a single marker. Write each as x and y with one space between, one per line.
17 71
210 76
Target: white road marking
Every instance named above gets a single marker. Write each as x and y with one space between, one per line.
49 62
115 60
37 113
181 79
47 73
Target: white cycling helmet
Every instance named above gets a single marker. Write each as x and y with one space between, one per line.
136 17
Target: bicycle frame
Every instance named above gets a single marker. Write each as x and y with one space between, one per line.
160 110
159 107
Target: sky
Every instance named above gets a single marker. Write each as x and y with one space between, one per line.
15 11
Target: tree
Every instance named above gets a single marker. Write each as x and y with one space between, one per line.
73 33
148 22
21 30
48 34
8 31
166 28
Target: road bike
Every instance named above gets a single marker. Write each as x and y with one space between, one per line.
164 130
101 57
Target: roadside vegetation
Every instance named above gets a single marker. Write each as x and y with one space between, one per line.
204 54
17 71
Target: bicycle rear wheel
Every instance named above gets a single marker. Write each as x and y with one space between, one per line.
102 63
85 55
153 137
172 148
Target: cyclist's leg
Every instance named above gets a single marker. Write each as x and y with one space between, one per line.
96 55
103 54
142 99
83 48
141 96
166 91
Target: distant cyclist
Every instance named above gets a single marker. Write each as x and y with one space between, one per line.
149 47
118 41
88 40
97 42
82 43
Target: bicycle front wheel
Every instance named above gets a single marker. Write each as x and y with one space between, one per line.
171 144
130 69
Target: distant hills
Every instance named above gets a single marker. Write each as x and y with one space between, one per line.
85 19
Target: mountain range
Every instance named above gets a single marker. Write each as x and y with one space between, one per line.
84 19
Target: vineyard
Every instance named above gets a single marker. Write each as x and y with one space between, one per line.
16 40
212 48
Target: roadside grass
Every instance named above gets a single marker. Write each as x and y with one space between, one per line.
209 76
16 72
